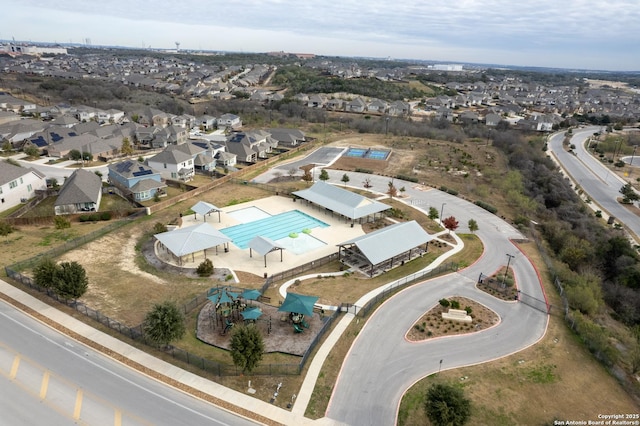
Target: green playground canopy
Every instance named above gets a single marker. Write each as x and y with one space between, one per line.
298 304
251 313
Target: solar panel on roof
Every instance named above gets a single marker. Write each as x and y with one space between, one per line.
56 137
142 173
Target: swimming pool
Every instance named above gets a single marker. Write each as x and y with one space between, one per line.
273 227
373 154
248 214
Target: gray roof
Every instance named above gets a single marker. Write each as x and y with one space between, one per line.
183 241
147 185
82 186
131 168
203 208
9 172
170 157
263 245
390 241
341 201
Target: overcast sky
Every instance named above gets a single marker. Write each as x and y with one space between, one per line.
578 34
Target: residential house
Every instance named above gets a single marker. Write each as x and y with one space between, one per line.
288 137
137 179
18 184
377 105
492 119
400 108
356 105
8 117
42 140
335 104
173 164
249 146
110 116
81 192
469 117
316 101
65 121
229 121
207 122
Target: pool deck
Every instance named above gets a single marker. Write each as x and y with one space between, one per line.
237 259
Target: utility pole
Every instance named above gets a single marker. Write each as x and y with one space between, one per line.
442 211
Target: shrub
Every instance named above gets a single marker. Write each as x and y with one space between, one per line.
61 222
444 303
367 171
105 216
159 228
407 178
452 191
468 309
229 277
486 206
455 304
205 269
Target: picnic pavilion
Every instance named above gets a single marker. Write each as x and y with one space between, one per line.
346 203
203 208
183 242
385 248
263 246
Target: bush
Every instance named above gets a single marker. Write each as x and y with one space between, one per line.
407 178
61 222
444 303
452 191
105 216
205 269
159 228
367 171
455 304
486 206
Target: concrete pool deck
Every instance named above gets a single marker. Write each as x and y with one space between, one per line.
237 259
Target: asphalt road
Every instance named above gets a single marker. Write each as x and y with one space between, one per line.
602 186
382 365
47 378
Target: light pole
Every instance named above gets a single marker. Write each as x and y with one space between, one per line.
442 211
504 279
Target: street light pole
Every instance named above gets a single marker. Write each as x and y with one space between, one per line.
442 211
504 279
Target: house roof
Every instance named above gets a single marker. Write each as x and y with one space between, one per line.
340 200
202 208
390 241
9 172
183 241
82 186
131 169
171 156
147 185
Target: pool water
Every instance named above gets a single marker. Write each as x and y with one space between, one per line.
248 214
274 227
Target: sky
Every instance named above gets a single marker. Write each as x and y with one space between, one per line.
573 34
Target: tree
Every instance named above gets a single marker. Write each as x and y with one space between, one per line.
164 323
70 280
5 228
75 155
159 228
6 146
345 179
126 148
247 347
367 183
32 151
450 223
87 156
447 405
392 191
473 225
44 273
292 171
433 213
61 222
629 195
324 175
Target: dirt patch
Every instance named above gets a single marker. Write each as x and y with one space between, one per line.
431 324
500 286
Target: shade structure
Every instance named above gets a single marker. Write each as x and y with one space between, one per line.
203 208
251 313
251 294
221 295
298 303
183 241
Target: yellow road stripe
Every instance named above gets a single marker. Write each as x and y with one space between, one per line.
117 421
78 407
44 385
14 367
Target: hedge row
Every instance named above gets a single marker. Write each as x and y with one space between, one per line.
486 206
94 217
448 190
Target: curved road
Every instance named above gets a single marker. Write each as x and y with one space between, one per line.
381 364
593 177
47 378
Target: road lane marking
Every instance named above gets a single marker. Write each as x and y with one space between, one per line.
78 407
14 367
45 384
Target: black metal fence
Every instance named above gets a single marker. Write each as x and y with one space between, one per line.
297 271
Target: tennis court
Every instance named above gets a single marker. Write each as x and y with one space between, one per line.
372 154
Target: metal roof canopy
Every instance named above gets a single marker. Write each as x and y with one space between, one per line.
346 203
183 241
263 246
390 241
203 208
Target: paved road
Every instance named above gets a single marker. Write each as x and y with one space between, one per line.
594 177
382 365
47 378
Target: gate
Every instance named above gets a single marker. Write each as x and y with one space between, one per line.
534 302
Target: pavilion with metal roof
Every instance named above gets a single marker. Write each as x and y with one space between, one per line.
203 208
263 246
346 203
385 248
192 239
